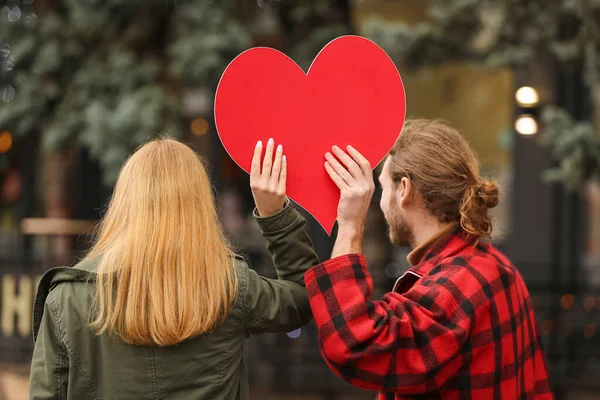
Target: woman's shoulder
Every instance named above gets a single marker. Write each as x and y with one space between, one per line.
244 275
64 284
241 268
62 288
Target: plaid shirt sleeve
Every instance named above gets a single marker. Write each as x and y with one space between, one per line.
404 343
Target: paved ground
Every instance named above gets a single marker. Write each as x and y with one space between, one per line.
14 382
14 385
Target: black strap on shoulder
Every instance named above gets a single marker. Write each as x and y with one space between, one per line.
50 279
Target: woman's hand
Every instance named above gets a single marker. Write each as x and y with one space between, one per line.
268 183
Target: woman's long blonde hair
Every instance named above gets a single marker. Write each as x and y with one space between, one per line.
166 271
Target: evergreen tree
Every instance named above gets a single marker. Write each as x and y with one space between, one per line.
104 76
107 74
514 33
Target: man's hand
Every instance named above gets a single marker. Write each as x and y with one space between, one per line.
268 183
355 180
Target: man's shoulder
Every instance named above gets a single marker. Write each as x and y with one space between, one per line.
482 263
479 253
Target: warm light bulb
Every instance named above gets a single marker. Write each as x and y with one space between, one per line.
199 126
5 141
527 96
526 125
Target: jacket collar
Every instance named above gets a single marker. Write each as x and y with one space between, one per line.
417 254
52 278
442 245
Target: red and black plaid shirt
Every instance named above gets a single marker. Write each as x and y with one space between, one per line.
458 325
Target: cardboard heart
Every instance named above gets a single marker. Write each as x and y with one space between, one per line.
352 94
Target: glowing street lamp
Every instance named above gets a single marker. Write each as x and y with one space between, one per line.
527 96
526 125
528 101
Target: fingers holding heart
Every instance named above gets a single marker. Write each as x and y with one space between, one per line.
335 177
276 168
338 168
269 183
268 160
362 162
282 177
355 180
349 163
255 165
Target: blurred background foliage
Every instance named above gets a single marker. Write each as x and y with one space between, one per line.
515 33
107 75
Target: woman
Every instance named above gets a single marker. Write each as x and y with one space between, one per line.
160 307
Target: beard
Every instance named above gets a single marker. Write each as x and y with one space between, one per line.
400 233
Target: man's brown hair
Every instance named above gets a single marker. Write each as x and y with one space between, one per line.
445 171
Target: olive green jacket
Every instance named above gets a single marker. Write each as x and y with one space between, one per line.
70 362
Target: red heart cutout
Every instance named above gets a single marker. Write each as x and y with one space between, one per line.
352 94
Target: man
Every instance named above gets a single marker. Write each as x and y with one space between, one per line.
459 323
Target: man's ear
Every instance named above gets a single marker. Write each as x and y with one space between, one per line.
404 192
